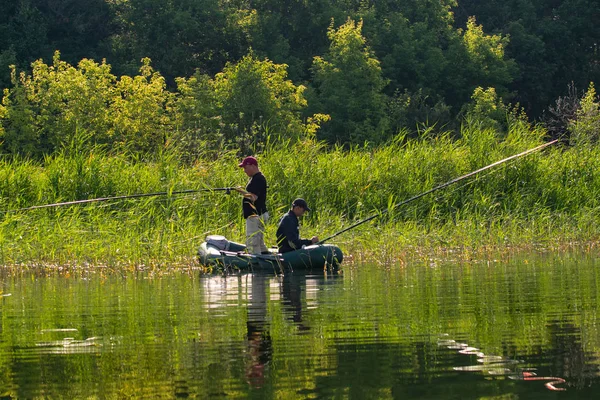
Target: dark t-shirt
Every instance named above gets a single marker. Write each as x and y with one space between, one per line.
288 234
258 186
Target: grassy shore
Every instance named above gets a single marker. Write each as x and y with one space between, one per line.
548 200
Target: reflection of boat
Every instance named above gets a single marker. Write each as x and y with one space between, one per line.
219 252
69 346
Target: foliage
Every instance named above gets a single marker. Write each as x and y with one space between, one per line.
290 32
423 55
553 44
47 109
243 106
585 128
179 36
411 41
348 86
141 111
198 125
33 29
412 111
255 98
342 186
433 50
486 109
486 53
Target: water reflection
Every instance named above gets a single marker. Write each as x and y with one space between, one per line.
295 292
258 331
370 332
568 355
69 346
496 366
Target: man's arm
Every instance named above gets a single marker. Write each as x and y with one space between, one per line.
256 188
246 194
290 232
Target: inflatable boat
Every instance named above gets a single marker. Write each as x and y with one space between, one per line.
221 253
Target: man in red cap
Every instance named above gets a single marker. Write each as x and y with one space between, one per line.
254 206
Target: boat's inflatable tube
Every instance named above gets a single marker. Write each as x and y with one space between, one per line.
219 252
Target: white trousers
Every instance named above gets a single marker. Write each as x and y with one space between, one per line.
255 233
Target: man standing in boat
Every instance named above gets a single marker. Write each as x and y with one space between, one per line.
288 231
254 206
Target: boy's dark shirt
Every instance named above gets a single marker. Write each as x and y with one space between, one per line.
288 234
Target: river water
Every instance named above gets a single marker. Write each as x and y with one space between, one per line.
440 330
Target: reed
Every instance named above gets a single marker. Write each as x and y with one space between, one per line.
547 200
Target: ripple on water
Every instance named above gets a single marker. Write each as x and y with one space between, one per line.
368 333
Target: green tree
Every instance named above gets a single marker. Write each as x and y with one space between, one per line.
487 65
291 31
348 85
197 125
23 37
33 29
486 109
243 105
585 128
553 42
411 39
179 36
46 108
141 111
59 103
432 67
78 29
254 97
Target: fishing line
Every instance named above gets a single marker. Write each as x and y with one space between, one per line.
442 186
227 190
420 207
479 178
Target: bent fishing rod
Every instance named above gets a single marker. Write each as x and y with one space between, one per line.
227 190
442 186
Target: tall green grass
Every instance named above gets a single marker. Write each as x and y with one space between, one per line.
546 199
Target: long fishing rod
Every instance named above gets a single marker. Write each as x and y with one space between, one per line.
131 196
444 185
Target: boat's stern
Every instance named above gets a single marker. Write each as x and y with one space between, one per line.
314 257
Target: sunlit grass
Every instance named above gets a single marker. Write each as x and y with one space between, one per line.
548 200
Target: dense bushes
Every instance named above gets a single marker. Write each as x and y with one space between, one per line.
137 115
56 103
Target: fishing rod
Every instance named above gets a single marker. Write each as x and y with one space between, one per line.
444 185
227 190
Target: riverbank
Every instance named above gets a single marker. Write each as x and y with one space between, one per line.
545 200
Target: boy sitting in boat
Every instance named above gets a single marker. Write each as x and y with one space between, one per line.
288 231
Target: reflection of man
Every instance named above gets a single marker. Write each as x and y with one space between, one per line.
288 231
254 206
259 338
292 297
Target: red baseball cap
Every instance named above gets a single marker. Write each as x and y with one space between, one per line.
248 161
